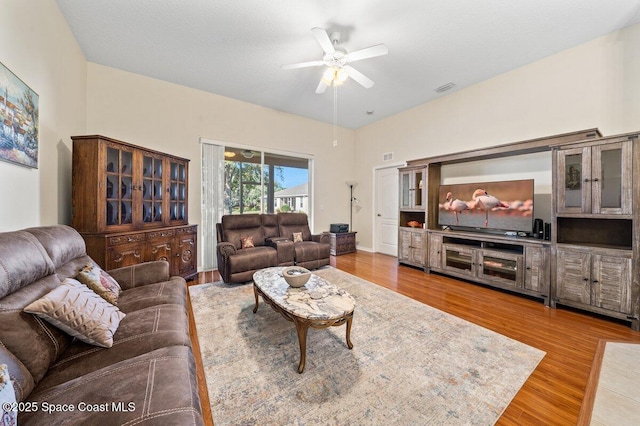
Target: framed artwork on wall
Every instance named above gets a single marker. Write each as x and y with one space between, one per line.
18 120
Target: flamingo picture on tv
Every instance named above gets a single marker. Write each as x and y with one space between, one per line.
500 206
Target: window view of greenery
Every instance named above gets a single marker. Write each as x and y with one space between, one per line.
281 184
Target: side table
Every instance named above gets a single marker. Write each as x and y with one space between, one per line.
343 243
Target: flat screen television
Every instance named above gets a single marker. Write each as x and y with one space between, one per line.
487 206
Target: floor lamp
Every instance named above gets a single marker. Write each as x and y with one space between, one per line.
351 184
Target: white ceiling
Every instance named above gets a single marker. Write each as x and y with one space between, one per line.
235 48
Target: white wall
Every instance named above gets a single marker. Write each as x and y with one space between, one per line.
37 46
172 118
596 84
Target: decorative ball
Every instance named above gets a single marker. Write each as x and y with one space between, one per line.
296 276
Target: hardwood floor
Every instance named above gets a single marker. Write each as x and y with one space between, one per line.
554 392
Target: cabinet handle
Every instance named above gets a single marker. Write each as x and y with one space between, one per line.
595 281
585 279
528 268
595 180
587 180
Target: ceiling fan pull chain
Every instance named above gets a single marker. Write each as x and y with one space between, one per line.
335 115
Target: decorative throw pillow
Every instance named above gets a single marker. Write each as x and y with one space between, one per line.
247 242
297 237
100 282
75 309
7 399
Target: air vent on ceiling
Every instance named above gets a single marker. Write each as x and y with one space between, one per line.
387 156
445 87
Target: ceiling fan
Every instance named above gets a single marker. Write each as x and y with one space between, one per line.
337 59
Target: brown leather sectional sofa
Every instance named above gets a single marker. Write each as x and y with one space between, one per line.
147 377
272 236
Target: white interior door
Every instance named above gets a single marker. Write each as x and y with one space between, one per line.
386 211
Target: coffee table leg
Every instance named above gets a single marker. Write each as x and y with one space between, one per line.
349 344
255 292
302 327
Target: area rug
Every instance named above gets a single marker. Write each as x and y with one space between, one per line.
411 364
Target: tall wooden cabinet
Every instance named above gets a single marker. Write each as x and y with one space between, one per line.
130 205
596 216
412 234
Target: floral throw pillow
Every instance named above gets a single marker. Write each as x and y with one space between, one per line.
297 237
7 399
100 282
247 242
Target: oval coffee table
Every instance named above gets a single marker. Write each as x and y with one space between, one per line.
317 304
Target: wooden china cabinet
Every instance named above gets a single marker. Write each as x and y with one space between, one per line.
130 205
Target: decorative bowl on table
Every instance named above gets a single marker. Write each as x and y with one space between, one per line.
296 276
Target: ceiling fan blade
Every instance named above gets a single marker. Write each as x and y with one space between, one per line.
359 77
321 87
323 38
302 65
368 52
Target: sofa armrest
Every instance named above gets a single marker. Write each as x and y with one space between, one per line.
285 248
325 237
141 274
224 250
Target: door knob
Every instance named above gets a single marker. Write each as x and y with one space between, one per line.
379 215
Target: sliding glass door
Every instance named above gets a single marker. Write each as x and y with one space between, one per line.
264 182
239 180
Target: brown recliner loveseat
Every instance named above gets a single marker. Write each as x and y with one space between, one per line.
271 236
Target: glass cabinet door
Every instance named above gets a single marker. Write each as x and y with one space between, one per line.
177 191
611 178
152 189
405 186
412 189
503 267
574 183
596 179
419 189
119 187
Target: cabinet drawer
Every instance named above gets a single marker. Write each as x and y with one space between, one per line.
187 230
117 240
161 234
124 255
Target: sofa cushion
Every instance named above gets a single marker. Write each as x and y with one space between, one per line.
311 251
156 388
289 223
62 243
270 225
173 291
252 259
23 260
242 225
141 274
80 312
35 342
99 281
139 332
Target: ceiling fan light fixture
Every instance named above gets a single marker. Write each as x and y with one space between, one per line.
334 76
328 76
247 153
